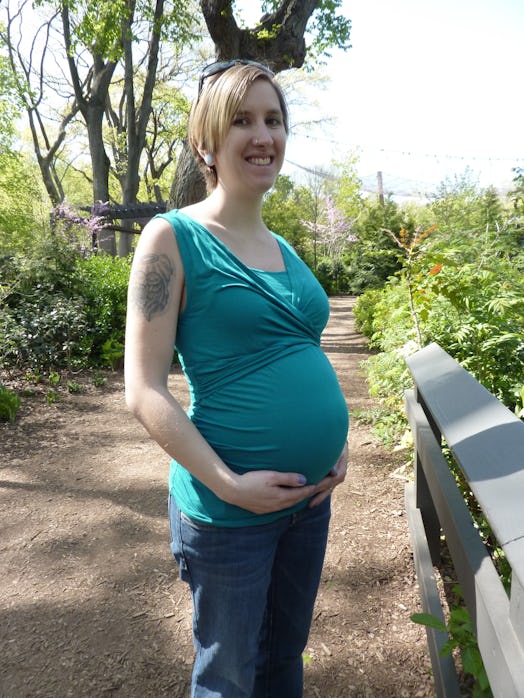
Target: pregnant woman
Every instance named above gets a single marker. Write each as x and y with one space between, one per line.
256 458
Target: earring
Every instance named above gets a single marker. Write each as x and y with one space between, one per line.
208 159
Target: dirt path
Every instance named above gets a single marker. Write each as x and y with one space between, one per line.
90 602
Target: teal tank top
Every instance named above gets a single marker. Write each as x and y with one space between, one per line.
263 393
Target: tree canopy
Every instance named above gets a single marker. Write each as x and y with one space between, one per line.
102 60
113 64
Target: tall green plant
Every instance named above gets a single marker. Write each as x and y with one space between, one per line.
462 288
283 210
410 246
475 304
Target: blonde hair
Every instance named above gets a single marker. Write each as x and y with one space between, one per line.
214 109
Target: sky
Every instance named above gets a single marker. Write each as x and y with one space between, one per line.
428 89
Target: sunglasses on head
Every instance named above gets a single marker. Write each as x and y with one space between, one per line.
222 66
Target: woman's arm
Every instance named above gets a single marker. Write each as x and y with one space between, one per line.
155 297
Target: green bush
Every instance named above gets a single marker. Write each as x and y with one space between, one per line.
9 404
48 330
364 311
333 276
486 335
61 305
102 281
463 291
373 257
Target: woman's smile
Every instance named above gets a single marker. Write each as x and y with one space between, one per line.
260 161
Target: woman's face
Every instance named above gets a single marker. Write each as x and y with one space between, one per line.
252 153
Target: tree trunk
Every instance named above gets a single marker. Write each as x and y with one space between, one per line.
277 40
92 107
93 115
189 185
51 181
137 119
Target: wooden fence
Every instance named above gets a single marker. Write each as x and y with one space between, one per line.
448 407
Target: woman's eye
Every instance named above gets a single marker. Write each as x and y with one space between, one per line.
273 122
240 121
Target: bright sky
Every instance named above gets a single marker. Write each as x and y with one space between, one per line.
428 88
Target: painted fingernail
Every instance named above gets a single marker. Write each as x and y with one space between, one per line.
301 479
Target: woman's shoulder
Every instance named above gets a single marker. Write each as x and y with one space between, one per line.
173 216
194 211
185 219
284 243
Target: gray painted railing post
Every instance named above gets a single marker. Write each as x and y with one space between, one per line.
429 515
487 443
424 500
516 608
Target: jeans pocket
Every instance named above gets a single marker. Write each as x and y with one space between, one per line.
197 525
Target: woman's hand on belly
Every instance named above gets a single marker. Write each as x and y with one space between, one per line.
265 491
337 475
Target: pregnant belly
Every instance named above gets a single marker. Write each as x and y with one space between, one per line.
289 416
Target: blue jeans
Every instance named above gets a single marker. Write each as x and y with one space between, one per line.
253 592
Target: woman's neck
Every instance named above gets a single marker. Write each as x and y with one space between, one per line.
238 224
235 213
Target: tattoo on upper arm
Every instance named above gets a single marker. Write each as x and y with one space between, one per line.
151 287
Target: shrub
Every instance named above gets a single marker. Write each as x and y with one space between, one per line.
48 330
464 292
364 311
61 305
332 275
101 282
9 404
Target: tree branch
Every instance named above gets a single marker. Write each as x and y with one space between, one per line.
278 39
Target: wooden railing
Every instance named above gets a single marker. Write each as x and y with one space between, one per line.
139 214
449 407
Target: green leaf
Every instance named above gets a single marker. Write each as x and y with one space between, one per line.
448 647
460 615
429 620
472 661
